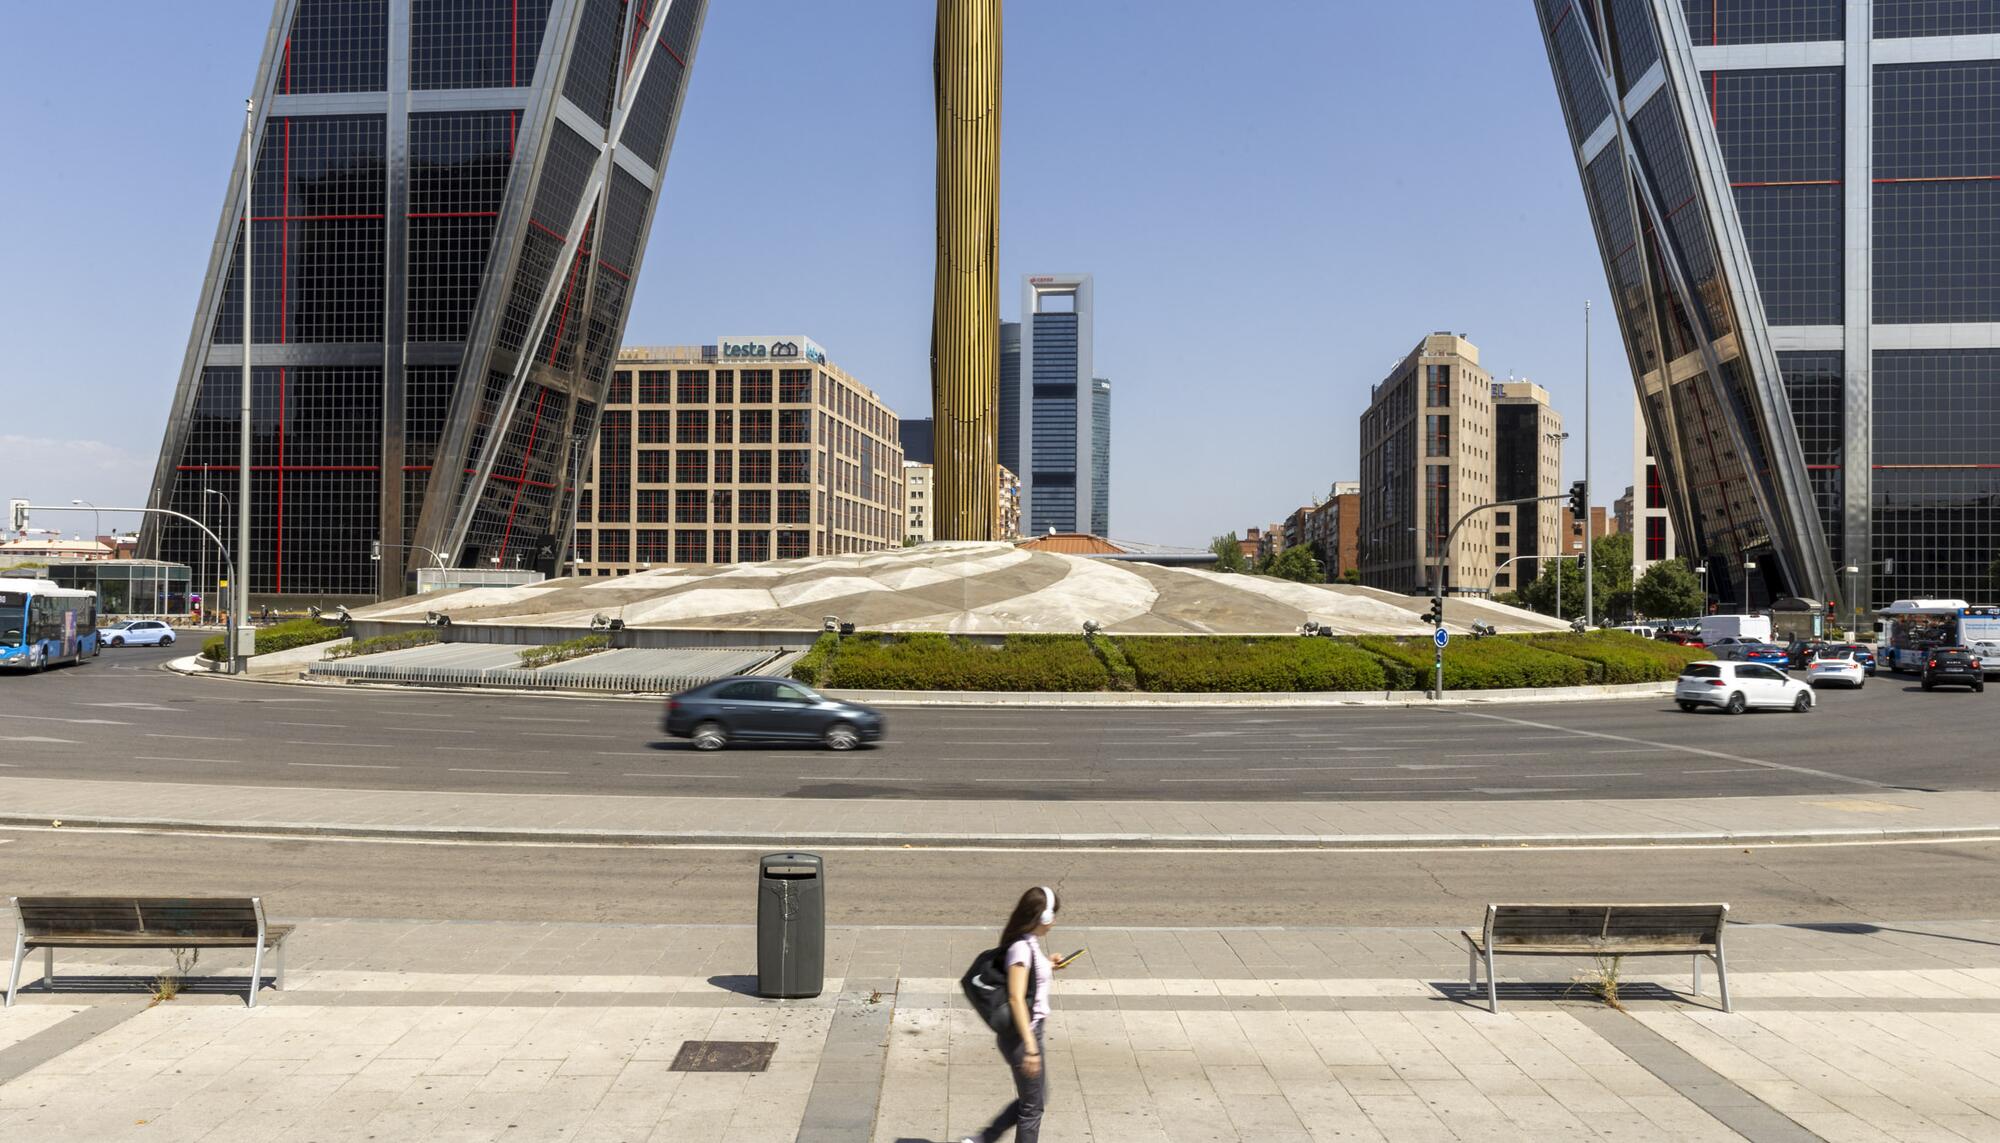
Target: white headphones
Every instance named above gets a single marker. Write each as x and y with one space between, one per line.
1048 905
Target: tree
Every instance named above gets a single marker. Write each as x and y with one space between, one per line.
1668 590
1298 564
1351 575
1611 560
1541 594
1228 554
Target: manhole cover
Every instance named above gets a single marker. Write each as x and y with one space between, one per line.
723 1056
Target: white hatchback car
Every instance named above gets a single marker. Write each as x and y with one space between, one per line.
1737 687
138 633
1842 669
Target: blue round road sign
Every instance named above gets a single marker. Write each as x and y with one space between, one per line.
1441 637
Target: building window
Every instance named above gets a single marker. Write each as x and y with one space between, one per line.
794 507
655 465
614 546
725 386
754 426
753 506
1656 537
690 546
753 466
795 386
654 545
1655 496
721 550
1437 435
620 392
653 387
794 466
1502 518
795 425
755 387
794 545
725 466
1437 385
724 507
654 504
690 506
691 426
656 426
753 547
725 426
693 387
691 466
1503 539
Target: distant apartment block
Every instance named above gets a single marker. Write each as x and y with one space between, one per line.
1427 456
1527 462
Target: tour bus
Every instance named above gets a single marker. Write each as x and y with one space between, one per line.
41 624
1911 627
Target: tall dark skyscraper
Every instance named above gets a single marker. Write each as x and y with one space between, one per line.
1798 212
1054 402
451 200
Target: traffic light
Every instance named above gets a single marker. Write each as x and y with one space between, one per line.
1579 503
1435 616
18 509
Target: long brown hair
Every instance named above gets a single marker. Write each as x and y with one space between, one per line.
1027 915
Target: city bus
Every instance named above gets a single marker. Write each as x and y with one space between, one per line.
41 624
1911 627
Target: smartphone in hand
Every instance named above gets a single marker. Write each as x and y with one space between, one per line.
1064 962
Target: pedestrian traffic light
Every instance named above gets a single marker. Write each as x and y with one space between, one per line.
1579 502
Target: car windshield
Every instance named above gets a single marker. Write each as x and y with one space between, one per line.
121 625
1701 671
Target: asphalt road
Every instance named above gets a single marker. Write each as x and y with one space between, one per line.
120 717
943 887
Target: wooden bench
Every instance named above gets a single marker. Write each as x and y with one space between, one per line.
1600 931
51 923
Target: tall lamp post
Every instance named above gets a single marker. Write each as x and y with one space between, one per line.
1589 533
96 521
240 577
1701 569
1748 567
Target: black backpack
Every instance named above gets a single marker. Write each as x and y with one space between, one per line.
985 988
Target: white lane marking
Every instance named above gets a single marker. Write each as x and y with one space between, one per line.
1515 754
342 766
492 750
428 730
856 778
72 721
1038 781
523 718
1725 770
1404 766
998 742
1589 774
560 734
36 738
315 725
354 745
1361 748
472 770
195 737
1223 779
1547 737
683 775
169 758
610 753
138 706
1415 778
1636 750
1759 762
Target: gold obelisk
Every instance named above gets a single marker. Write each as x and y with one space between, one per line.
965 316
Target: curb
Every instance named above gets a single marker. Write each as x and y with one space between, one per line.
1076 841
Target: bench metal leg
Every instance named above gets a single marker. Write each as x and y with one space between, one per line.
14 976
1492 983
48 970
1471 965
1722 981
256 975
1697 974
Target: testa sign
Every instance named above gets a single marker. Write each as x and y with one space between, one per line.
771 349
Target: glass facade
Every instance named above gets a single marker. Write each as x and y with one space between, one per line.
437 294
1826 422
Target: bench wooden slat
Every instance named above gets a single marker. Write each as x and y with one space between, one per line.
273 934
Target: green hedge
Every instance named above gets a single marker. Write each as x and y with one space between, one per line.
1267 663
816 660
278 637
565 651
1495 663
924 661
1619 657
1123 676
394 641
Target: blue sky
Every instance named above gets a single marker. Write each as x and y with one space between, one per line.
1277 198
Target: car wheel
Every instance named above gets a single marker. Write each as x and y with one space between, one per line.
710 736
841 736
1736 704
1802 704
1926 684
1686 706
168 641
37 660
118 640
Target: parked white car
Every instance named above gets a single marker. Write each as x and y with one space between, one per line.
137 633
1844 670
1737 687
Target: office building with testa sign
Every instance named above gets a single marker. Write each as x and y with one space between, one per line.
1798 209
754 448
449 206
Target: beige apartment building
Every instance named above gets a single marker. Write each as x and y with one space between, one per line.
754 448
1528 438
1427 456
918 501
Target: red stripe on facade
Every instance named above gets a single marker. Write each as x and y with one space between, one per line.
275 468
288 65
1931 467
569 291
1944 179
513 479
1714 97
1791 183
527 457
537 224
416 468
1683 204
1822 468
670 51
615 270
453 214
1557 26
319 218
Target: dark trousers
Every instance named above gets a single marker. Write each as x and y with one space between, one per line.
1024 1115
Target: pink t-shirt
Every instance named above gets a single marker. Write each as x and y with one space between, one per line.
1028 951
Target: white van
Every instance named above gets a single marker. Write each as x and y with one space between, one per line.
1750 628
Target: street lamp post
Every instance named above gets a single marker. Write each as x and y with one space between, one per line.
1701 569
227 511
1589 536
1748 567
240 612
96 521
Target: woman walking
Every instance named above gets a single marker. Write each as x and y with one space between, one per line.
1028 971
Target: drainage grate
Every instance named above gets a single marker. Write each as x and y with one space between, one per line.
723 1056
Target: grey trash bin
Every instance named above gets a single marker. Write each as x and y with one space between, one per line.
791 925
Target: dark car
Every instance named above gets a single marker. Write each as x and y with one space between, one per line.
756 707
1748 652
1953 666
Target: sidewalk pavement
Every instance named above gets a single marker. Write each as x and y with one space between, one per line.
1872 815
483 1031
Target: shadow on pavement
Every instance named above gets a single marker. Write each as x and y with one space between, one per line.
1459 992
139 985
741 985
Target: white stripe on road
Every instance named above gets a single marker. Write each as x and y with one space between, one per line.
1635 750
1403 766
72 721
657 775
343 766
37 738
1037 780
525 718
353 745
195 737
1224 779
164 758
1515 754
561 734
1415 778
315 725
428 730
1589 774
1759 762
857 778
471 770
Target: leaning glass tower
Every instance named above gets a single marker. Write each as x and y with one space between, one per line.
1798 207
451 200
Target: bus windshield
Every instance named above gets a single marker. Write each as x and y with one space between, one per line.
13 615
